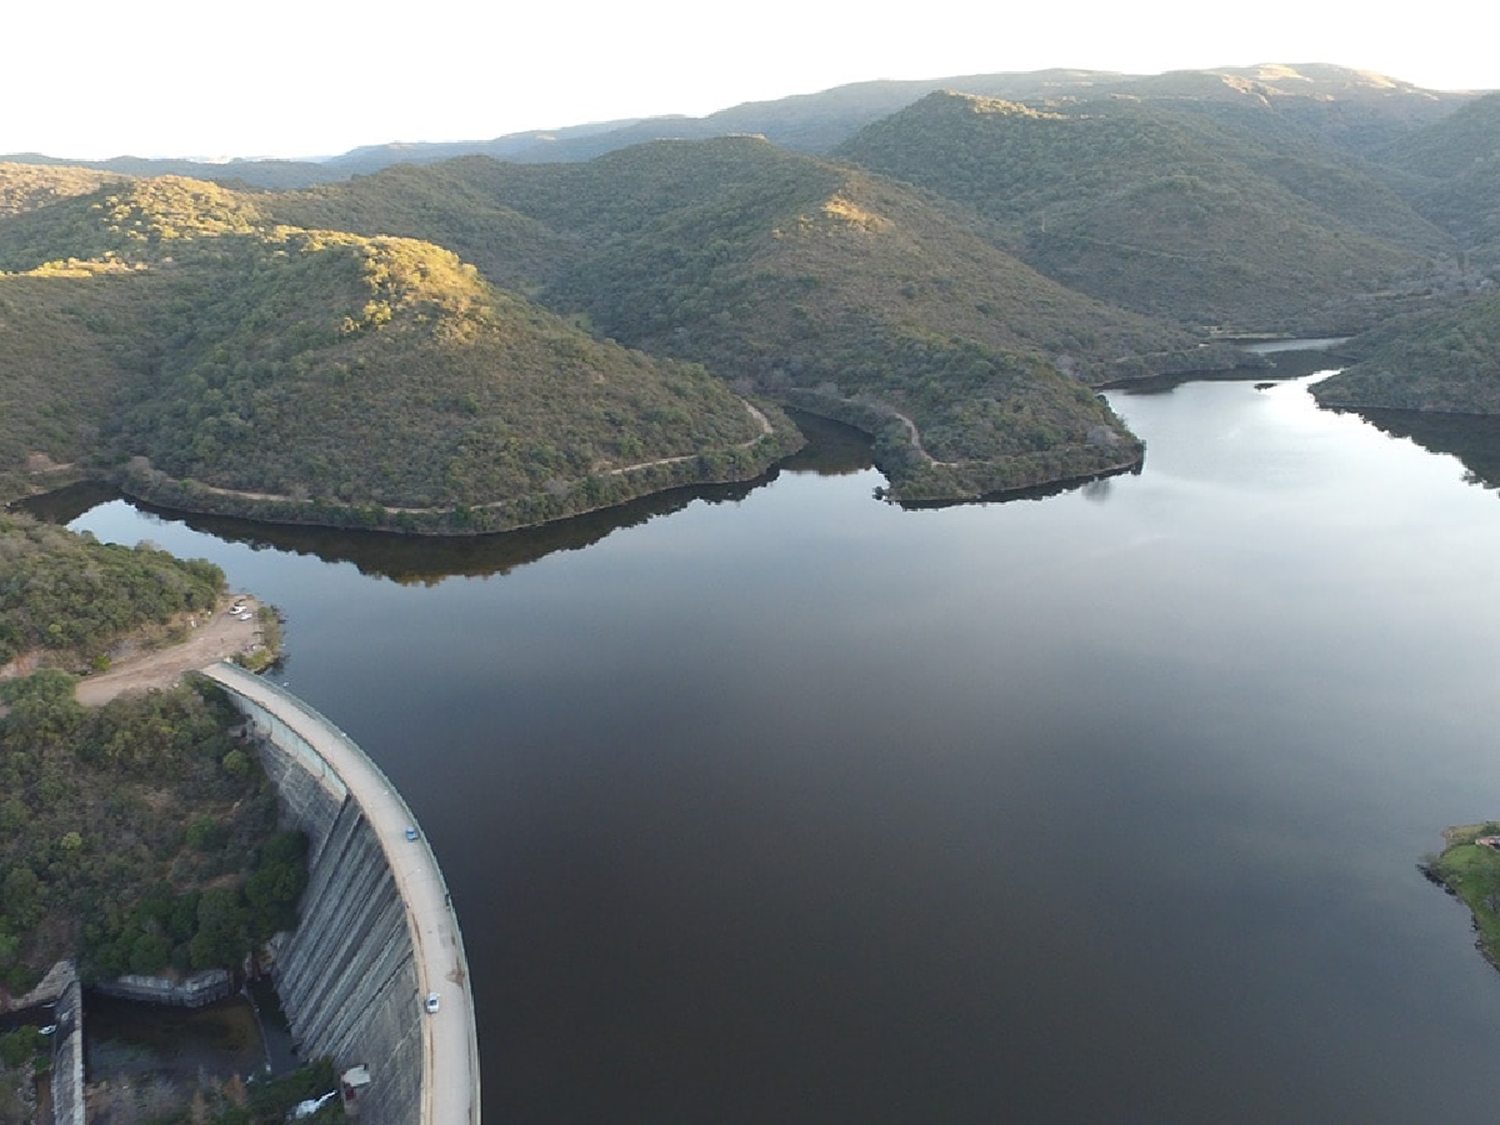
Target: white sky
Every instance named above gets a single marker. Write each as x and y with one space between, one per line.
89 79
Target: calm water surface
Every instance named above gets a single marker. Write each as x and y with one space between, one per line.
796 807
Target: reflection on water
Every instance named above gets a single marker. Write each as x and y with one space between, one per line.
833 450
1283 365
124 1038
1474 439
1279 348
67 504
807 808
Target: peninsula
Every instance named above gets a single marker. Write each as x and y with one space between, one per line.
1469 869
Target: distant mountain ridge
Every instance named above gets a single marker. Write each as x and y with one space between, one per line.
1360 110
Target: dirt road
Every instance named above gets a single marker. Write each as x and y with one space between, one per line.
213 638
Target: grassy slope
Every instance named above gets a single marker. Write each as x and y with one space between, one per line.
1138 207
382 372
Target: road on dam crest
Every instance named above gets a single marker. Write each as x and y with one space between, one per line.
450 1082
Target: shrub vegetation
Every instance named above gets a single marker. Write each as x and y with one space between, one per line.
139 836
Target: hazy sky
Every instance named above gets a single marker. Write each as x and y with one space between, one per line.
90 79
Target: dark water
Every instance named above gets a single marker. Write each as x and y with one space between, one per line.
796 807
129 1039
1473 439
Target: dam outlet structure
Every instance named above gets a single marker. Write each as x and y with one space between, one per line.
375 975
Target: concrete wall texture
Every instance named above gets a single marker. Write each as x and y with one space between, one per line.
354 975
67 1059
346 975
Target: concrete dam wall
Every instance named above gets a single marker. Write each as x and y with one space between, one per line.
377 936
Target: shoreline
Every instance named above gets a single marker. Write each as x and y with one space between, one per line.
224 636
1469 870
597 492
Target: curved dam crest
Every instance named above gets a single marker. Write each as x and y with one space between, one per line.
378 933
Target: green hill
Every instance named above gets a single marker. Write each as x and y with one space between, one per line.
138 837
843 292
25 187
1279 147
67 337
1357 111
1452 146
1135 206
324 377
436 203
826 287
1452 171
1447 360
957 294
66 599
1468 206
66 333
128 834
275 174
741 254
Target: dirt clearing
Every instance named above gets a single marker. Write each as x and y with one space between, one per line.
210 638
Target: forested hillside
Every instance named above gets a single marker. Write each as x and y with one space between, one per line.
840 292
1451 171
139 837
447 346
236 365
274 174
68 599
1153 212
1445 360
25 187
820 285
1356 111
1451 147
439 203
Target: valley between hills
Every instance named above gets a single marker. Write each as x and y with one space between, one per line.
433 340
458 340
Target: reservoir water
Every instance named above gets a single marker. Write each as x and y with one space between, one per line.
787 805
